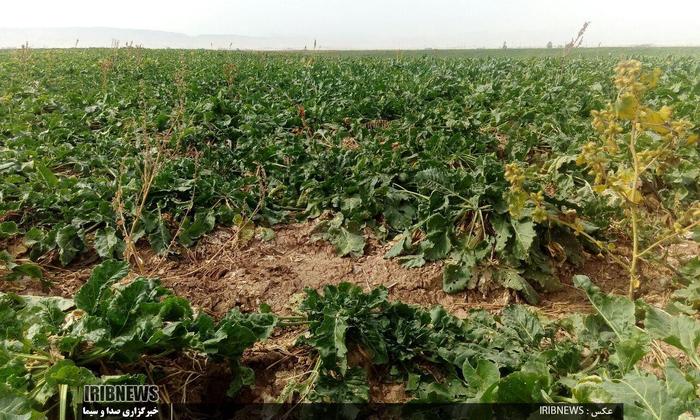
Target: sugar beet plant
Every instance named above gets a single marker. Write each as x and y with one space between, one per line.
514 356
50 347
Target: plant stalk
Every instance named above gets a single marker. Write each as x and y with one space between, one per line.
634 281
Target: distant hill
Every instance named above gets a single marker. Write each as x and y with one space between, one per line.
105 37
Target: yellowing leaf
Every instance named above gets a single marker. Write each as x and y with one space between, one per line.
657 120
627 107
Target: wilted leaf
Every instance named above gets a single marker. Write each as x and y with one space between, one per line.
402 244
481 378
524 234
108 244
160 238
69 243
103 276
352 387
523 323
526 385
679 331
616 311
644 397
511 279
502 228
455 277
348 243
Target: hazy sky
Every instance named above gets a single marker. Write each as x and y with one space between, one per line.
436 23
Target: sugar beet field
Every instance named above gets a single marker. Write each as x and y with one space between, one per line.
326 227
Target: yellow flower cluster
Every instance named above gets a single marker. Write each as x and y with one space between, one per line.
596 161
627 78
515 176
539 214
518 198
605 124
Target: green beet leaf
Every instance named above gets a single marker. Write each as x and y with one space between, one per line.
102 277
680 331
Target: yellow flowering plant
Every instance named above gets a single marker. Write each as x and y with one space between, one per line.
636 142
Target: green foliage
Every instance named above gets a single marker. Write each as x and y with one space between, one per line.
430 153
110 321
687 299
344 310
8 229
413 148
346 242
680 331
16 270
510 357
473 353
101 278
645 396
